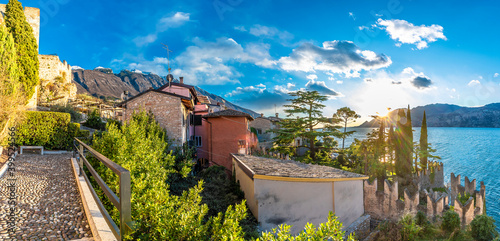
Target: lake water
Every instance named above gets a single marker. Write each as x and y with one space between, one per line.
471 152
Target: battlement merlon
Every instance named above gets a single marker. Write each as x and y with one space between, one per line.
32 16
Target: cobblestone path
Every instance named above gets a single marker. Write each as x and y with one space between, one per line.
48 202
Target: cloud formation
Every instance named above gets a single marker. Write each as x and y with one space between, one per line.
421 82
259 98
321 87
269 32
210 62
165 23
334 57
406 33
474 83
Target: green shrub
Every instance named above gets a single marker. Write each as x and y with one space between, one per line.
410 230
421 218
463 198
451 221
52 130
94 121
483 228
75 115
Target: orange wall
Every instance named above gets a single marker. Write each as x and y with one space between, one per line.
226 131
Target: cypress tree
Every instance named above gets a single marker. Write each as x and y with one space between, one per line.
409 139
424 145
25 44
399 144
8 55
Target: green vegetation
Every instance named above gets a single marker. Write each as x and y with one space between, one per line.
304 115
52 130
345 116
95 121
167 207
463 198
483 228
25 44
11 90
404 144
451 221
75 115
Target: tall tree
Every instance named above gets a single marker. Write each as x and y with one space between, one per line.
345 116
304 115
11 96
424 145
26 46
404 145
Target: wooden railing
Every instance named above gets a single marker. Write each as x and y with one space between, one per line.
123 203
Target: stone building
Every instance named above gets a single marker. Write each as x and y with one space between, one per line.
262 125
283 191
171 110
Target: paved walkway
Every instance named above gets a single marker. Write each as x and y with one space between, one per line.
49 205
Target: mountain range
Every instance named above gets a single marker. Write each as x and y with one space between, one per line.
446 115
103 82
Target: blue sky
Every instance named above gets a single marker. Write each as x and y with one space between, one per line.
368 55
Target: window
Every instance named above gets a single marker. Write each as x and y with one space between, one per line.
259 131
196 120
196 140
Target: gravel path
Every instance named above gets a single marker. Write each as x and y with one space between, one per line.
49 205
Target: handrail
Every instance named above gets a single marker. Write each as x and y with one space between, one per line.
122 203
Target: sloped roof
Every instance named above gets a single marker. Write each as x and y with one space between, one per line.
228 112
203 99
157 91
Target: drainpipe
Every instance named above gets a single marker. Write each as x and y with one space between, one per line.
211 152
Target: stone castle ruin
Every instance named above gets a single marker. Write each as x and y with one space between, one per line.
383 203
56 85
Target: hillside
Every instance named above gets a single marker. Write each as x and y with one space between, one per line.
446 115
103 82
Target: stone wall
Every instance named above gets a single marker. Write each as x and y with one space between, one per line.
431 178
32 16
168 111
55 81
385 204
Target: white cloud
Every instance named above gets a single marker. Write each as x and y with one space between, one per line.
321 87
240 28
312 77
269 32
351 14
496 75
165 23
474 83
407 33
334 57
209 62
408 78
260 98
340 82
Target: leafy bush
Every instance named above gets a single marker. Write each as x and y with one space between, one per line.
483 228
421 218
75 115
94 121
451 221
52 130
463 198
410 230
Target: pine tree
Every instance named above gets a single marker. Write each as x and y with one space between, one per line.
306 113
424 145
345 116
25 44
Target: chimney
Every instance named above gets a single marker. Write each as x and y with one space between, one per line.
277 115
181 80
261 114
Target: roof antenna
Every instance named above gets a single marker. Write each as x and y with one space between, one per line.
170 77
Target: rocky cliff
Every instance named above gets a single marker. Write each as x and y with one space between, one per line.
445 115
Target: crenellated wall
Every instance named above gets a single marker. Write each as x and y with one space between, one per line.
431 178
385 204
55 81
